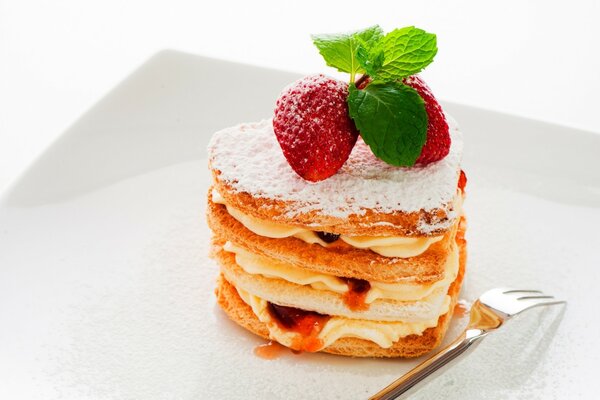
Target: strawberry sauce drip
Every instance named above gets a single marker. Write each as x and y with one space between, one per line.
460 234
462 181
356 294
270 350
307 324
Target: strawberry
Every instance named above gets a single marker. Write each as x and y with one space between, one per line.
437 144
313 127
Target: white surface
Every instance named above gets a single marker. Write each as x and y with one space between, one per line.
106 291
536 58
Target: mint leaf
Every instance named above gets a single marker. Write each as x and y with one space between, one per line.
340 50
406 52
371 57
392 120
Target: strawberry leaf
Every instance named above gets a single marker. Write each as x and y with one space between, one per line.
392 120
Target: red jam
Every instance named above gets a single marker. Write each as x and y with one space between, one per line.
328 237
307 324
269 351
356 294
460 234
462 181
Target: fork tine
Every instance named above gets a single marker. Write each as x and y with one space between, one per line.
542 302
521 291
534 297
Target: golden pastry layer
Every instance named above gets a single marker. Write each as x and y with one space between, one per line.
411 345
388 246
341 260
283 292
268 268
371 223
366 197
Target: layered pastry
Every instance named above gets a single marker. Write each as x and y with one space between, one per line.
324 243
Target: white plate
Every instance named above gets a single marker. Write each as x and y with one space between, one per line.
107 293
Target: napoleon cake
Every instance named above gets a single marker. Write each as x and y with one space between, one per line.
337 224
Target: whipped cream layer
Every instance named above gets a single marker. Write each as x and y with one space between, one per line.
404 291
382 333
259 168
387 246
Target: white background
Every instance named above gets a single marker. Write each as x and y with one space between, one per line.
533 58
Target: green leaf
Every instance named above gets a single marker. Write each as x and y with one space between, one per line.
340 50
406 52
371 57
392 120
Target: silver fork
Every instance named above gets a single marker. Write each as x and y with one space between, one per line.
488 313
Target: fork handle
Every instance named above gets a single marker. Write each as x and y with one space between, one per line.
413 380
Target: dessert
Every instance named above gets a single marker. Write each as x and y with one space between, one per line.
338 224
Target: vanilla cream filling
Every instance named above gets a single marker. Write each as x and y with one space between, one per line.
392 246
382 333
414 291
403 291
387 246
257 265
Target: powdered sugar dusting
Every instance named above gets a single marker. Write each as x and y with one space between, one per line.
250 160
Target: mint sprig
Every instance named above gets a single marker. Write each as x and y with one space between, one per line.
340 50
390 116
391 119
406 52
